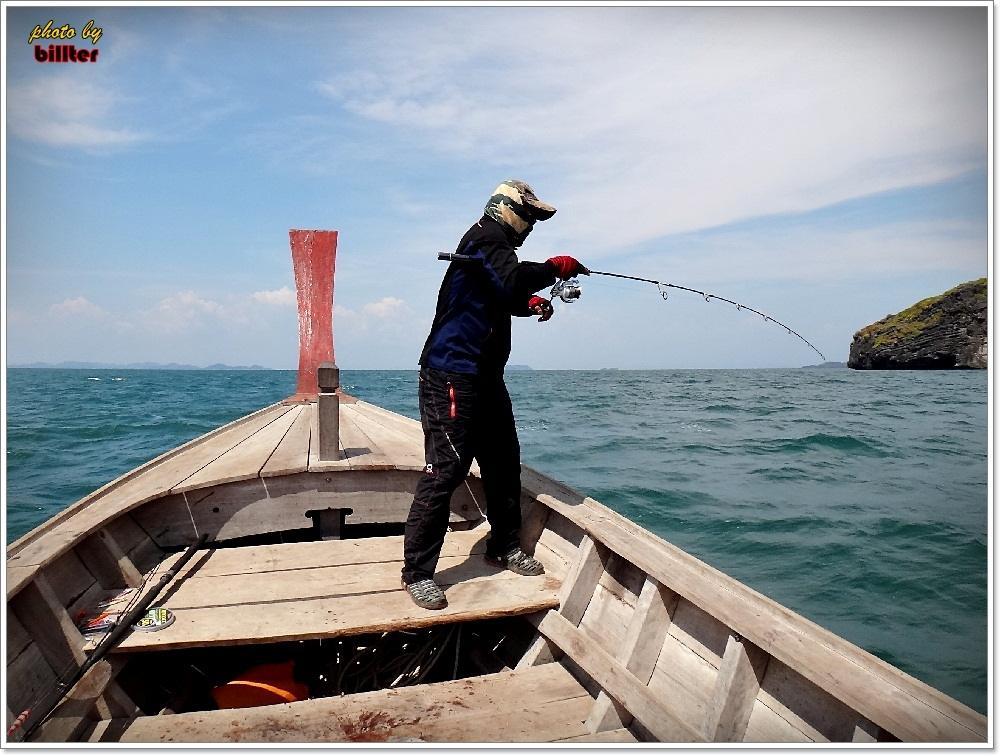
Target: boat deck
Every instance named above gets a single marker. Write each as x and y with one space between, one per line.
332 588
538 704
276 442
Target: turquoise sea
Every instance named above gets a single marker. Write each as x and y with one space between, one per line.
858 499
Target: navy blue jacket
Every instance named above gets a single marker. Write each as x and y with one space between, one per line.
471 329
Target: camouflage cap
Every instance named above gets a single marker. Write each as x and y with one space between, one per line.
514 204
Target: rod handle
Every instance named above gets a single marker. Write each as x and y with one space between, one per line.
455 257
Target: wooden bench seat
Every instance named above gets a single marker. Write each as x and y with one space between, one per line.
537 704
296 591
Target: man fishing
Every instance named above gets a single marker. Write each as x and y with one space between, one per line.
465 409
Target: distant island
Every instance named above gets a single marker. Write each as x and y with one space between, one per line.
825 366
519 367
131 366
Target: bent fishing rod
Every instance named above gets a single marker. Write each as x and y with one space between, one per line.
569 291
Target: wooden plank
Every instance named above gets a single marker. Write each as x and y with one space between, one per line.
71 717
684 678
54 633
403 449
893 700
540 651
579 585
405 425
245 460
409 430
611 736
806 706
319 582
536 705
17 637
242 595
290 558
766 726
107 562
622 579
289 571
275 504
606 620
341 616
729 709
700 631
639 651
359 449
127 533
30 679
68 577
617 681
865 731
125 494
292 454
145 555
556 545
533 518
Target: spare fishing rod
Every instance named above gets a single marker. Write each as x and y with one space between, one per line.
569 291
110 640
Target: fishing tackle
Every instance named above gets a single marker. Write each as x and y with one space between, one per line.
662 287
569 291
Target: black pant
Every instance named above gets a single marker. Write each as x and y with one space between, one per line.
464 417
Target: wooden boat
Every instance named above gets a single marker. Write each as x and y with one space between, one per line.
626 638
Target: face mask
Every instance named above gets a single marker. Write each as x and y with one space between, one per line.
515 206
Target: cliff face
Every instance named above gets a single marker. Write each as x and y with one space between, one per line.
942 332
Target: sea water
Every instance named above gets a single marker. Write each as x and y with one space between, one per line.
858 499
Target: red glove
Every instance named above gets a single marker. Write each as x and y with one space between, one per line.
567 267
541 306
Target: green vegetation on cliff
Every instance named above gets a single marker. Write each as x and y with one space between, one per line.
942 332
915 319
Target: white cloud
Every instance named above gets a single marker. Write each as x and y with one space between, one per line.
385 308
80 306
388 310
820 255
66 110
706 116
283 297
183 310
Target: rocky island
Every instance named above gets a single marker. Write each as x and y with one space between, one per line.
942 332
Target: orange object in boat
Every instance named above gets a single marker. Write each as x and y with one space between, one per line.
268 684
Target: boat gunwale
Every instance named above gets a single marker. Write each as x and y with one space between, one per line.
60 517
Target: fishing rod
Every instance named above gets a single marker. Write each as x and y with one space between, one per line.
662 286
569 291
123 626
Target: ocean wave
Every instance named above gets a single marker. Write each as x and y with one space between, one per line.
848 444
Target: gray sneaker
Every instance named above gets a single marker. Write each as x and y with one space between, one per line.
518 562
426 594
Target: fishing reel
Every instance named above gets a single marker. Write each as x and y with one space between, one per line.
568 291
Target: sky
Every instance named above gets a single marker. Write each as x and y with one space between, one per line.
826 165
